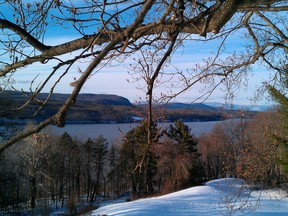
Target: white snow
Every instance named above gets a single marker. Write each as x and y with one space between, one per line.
217 197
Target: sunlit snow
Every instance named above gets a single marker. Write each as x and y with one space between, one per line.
218 197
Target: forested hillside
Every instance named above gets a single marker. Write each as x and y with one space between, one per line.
103 108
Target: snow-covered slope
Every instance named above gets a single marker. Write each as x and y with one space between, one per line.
218 197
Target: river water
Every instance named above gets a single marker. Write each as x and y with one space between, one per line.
113 131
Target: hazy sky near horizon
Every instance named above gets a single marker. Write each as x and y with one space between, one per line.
114 79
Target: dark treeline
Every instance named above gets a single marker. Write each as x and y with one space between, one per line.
45 171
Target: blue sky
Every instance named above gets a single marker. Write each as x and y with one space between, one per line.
113 80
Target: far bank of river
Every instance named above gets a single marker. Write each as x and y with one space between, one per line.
112 131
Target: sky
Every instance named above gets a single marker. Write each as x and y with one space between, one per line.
114 79
215 198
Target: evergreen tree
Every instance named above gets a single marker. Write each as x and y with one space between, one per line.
186 163
279 94
133 150
181 133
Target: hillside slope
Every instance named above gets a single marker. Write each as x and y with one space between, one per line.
216 198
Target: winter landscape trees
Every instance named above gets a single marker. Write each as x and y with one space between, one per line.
46 170
112 31
146 35
244 149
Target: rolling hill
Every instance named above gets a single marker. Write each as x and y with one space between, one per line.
105 108
215 198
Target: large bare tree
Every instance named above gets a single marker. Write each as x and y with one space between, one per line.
111 30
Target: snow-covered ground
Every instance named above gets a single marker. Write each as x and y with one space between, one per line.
218 197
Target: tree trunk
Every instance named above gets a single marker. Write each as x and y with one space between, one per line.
33 192
96 186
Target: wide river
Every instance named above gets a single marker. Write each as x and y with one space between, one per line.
112 131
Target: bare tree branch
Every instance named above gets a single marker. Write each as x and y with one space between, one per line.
120 28
59 118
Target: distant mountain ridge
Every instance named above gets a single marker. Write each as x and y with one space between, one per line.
179 105
258 108
89 108
105 99
116 100
108 108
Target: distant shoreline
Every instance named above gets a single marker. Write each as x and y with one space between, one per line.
26 121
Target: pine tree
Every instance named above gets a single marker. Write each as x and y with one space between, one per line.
281 97
186 163
133 150
181 133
